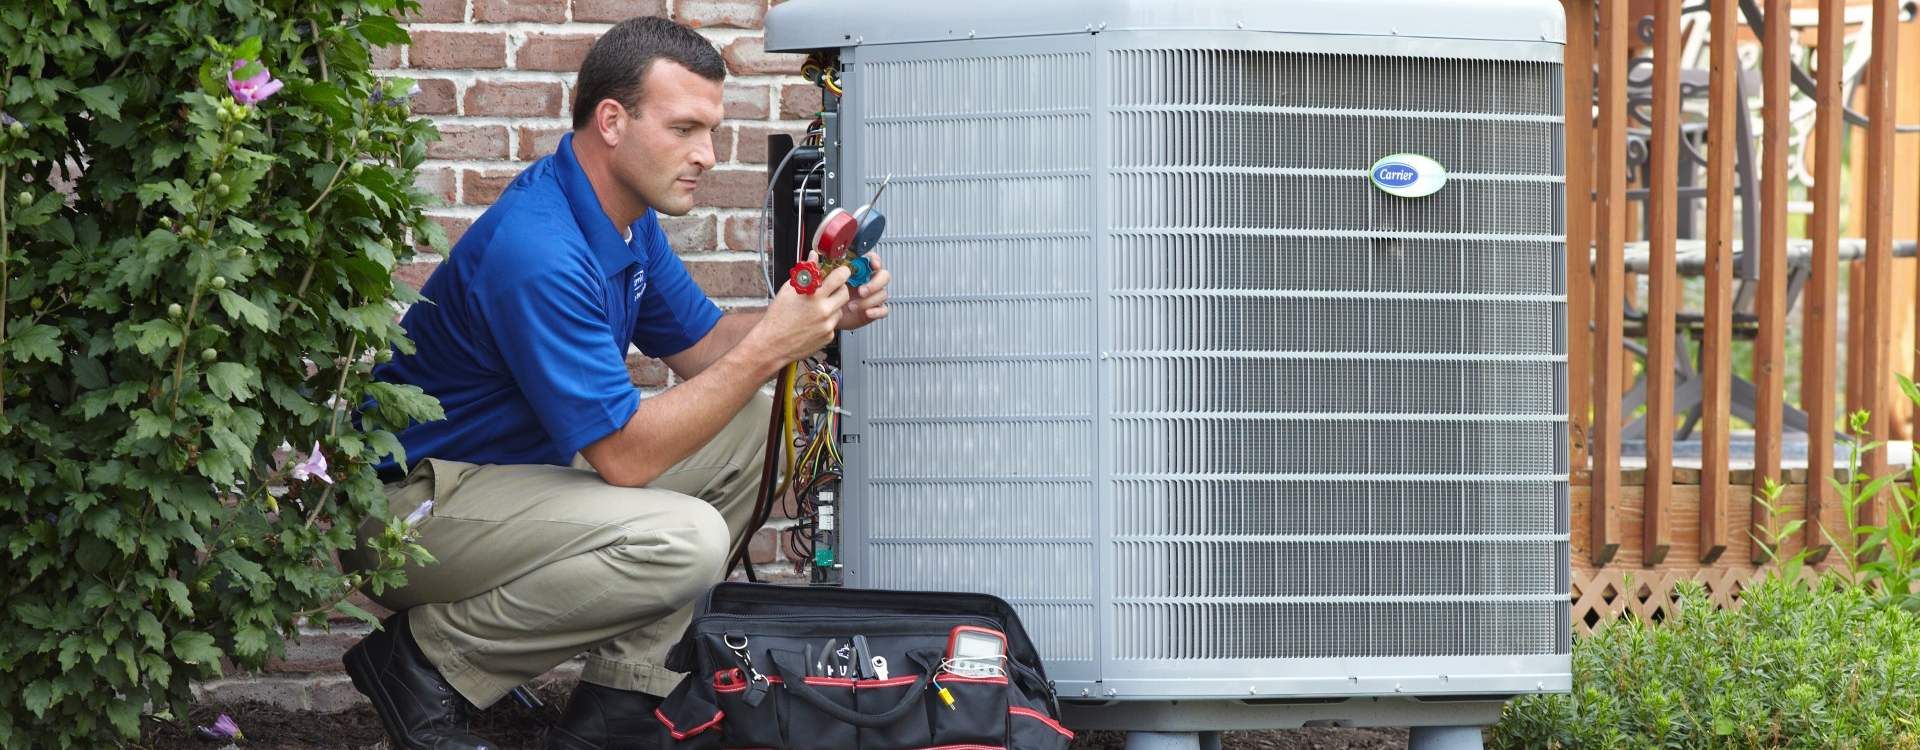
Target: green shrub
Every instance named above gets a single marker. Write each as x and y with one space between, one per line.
1827 659
189 282
1823 666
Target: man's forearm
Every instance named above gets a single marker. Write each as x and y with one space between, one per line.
668 427
725 337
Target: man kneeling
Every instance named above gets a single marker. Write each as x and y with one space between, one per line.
569 515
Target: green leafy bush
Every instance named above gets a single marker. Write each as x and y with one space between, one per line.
193 280
1822 666
1811 659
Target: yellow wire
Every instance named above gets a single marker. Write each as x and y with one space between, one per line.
786 428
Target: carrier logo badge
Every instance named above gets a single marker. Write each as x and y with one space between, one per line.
1408 175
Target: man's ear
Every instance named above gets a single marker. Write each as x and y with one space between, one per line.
609 121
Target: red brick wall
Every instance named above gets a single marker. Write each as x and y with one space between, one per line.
497 76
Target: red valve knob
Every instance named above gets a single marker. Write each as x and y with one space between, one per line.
806 276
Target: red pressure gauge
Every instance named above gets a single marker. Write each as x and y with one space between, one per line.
836 234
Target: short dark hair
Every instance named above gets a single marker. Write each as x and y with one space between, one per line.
617 64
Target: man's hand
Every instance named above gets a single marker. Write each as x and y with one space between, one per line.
797 325
869 302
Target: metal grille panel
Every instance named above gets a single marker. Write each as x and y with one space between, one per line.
1289 338
1166 371
1204 631
977 427
1256 507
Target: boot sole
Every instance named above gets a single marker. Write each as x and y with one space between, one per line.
361 670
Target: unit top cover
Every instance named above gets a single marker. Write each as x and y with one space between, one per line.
823 24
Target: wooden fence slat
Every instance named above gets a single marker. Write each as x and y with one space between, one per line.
1578 72
1663 279
1770 350
1876 375
1610 217
1819 325
1716 346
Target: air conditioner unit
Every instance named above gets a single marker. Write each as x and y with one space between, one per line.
1250 436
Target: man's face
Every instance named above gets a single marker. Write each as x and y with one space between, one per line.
667 142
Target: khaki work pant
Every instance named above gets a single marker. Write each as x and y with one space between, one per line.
536 564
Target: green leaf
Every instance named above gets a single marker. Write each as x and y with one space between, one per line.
39 697
125 716
149 628
104 100
248 49
382 31
123 652
149 424
1907 386
232 380
241 308
155 336
249 641
39 341
377 251
248 571
195 647
89 374
347 608
177 593
330 100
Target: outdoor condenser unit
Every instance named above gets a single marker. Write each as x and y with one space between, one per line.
1227 343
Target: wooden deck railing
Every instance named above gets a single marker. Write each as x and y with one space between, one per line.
1642 142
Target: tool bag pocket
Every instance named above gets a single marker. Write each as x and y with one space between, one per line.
765 672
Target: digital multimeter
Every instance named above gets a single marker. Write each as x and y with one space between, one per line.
976 651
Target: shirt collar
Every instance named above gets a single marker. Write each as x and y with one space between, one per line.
613 253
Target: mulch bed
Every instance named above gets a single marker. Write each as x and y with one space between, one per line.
514 726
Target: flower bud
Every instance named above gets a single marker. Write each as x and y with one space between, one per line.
383 356
24 198
361 135
221 190
17 129
174 310
166 222
208 354
215 179
219 282
36 303
356 169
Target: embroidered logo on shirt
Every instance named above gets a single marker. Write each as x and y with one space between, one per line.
639 281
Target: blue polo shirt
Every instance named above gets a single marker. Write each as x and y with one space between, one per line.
524 335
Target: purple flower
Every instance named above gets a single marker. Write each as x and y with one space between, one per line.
419 513
315 467
252 90
223 729
380 96
7 119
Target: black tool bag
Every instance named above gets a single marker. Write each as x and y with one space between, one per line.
755 655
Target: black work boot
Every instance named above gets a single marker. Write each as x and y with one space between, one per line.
419 710
603 718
